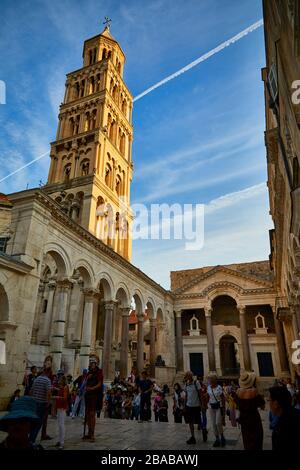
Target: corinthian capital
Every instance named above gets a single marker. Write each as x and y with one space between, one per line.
64 284
207 311
90 294
241 309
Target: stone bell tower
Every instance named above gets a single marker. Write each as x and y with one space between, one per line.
91 166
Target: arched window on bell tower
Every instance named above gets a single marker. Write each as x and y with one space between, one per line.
98 82
71 126
82 85
76 124
119 185
67 172
108 174
100 218
93 119
112 131
92 85
76 91
87 121
115 93
85 167
122 143
124 107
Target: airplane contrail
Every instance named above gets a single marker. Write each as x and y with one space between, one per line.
204 57
25 166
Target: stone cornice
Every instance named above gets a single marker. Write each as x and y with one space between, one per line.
201 277
12 264
7 325
42 198
224 284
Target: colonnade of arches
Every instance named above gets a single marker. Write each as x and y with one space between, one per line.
76 309
237 320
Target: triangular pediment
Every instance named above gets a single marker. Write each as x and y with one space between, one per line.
222 275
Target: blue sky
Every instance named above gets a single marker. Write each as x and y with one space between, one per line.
198 139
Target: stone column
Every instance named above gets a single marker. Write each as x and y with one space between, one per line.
107 365
85 349
38 310
140 342
179 344
297 313
284 365
244 339
79 313
125 311
57 339
45 333
152 346
210 341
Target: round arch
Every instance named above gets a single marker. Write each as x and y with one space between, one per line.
122 295
124 290
86 271
222 288
225 311
61 258
139 302
106 285
229 357
150 306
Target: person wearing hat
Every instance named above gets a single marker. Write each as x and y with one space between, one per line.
248 401
17 424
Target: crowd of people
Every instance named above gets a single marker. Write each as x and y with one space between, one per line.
139 398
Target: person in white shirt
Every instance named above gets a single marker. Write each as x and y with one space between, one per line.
216 404
192 413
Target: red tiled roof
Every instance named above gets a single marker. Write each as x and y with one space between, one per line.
133 318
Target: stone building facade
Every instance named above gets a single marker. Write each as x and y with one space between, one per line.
225 321
282 137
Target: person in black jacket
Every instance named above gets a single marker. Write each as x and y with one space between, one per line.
286 430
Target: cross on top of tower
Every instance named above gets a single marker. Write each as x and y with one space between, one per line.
107 22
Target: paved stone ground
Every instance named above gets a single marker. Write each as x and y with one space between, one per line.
113 434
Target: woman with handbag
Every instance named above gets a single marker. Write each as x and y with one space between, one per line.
249 401
216 404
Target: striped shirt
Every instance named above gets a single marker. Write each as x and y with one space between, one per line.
40 388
